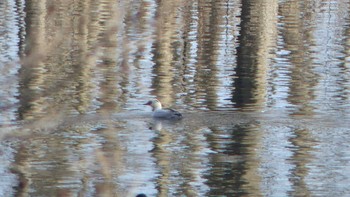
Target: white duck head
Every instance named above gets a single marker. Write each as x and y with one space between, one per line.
155 104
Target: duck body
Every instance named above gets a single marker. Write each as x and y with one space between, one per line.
163 113
167 113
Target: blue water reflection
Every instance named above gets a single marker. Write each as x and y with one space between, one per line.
263 87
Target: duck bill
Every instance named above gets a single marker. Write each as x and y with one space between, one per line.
148 103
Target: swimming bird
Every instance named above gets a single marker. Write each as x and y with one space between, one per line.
163 113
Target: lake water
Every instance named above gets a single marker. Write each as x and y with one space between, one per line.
264 87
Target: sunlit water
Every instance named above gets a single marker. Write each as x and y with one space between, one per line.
263 86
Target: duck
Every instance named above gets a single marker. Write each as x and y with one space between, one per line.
163 113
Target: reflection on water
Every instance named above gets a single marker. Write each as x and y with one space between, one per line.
264 88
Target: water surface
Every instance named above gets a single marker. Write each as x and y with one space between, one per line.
263 85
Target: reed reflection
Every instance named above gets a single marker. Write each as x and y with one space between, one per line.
257 37
85 58
59 76
303 79
234 167
59 71
303 147
9 65
167 82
